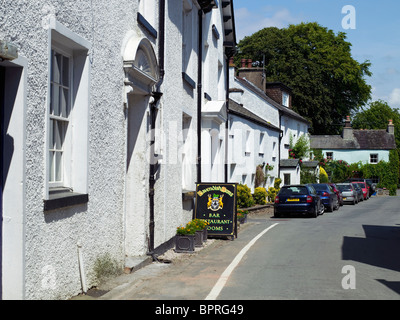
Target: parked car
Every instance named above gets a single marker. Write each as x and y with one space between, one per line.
298 199
328 196
360 194
371 186
338 193
364 189
349 193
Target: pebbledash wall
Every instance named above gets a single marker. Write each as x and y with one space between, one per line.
50 239
116 71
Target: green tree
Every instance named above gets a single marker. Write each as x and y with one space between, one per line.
327 82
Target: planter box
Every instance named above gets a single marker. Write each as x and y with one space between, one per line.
198 240
205 234
244 219
184 243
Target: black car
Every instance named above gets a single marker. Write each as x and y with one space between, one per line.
298 199
328 196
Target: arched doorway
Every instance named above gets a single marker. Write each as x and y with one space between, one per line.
141 74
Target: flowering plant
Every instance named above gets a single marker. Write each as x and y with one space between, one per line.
187 230
242 213
192 226
199 224
268 167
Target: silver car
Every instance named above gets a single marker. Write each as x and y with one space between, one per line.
349 193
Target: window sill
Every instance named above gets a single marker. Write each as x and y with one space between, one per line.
145 24
62 198
188 80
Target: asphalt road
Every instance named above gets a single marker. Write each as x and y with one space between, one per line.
352 253
308 258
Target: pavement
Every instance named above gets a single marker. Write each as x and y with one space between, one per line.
144 269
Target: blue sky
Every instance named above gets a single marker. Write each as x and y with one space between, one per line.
376 36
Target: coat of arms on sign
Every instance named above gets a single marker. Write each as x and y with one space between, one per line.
215 202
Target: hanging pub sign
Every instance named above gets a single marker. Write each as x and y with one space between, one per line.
216 203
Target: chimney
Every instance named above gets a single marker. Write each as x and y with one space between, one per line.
253 75
348 130
249 63
390 128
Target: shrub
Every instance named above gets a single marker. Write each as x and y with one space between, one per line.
260 195
307 176
277 183
272 192
244 197
323 176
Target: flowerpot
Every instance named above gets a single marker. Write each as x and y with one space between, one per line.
244 219
184 243
198 242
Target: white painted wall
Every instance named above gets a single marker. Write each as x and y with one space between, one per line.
354 155
246 152
115 220
294 128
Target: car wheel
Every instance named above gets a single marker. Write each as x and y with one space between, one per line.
314 214
321 212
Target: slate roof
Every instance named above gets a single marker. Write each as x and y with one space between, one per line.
363 140
239 110
288 163
310 164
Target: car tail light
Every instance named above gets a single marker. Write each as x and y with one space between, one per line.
325 194
276 199
309 199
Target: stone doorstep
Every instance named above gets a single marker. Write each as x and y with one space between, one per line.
135 263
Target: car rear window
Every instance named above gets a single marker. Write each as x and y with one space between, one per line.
344 187
320 186
286 191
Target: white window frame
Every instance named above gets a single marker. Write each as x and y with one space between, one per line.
261 151
147 9
188 160
373 161
55 119
285 99
76 144
188 37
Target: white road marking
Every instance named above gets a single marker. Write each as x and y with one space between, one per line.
216 290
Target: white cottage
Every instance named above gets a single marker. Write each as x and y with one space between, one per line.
272 103
365 146
101 113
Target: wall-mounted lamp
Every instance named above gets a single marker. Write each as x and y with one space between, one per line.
8 51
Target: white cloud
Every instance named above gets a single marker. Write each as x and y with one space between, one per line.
248 22
394 98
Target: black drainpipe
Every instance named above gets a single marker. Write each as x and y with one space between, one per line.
153 115
227 119
199 97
